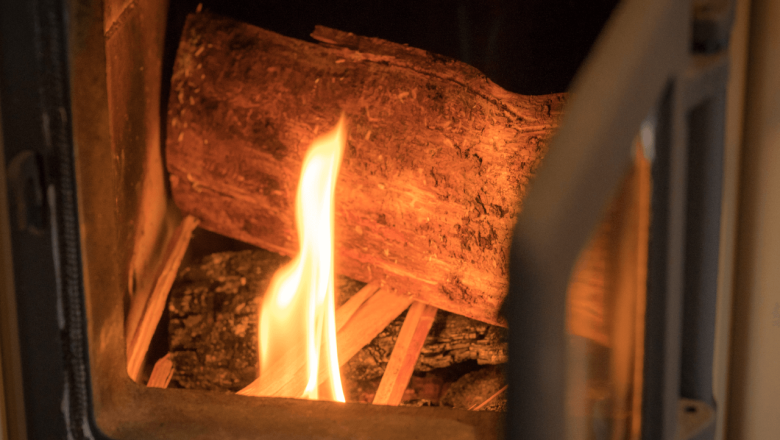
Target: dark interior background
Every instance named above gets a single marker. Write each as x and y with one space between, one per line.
527 46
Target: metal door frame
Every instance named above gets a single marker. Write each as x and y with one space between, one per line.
667 59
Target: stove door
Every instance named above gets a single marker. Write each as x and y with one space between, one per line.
648 80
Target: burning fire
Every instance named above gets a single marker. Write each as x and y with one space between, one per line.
298 309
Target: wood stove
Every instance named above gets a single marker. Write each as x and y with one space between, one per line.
106 214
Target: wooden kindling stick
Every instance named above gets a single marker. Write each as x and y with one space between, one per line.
407 349
348 309
162 373
138 344
358 322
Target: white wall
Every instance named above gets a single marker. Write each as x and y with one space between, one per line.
735 109
754 405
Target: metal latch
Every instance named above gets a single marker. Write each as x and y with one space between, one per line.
28 200
693 417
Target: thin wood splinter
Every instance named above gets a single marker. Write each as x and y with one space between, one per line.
407 349
162 373
138 344
477 407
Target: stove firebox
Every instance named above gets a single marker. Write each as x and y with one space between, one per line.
118 226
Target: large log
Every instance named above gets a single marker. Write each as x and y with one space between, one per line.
437 161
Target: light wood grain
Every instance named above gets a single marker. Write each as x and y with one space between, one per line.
138 345
161 373
405 353
348 309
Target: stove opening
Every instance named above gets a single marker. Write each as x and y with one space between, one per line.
213 109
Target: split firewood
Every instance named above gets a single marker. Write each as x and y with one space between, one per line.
140 331
438 156
213 328
407 348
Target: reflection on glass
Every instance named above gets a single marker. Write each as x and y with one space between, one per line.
605 316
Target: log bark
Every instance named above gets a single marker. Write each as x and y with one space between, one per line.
453 339
437 160
213 318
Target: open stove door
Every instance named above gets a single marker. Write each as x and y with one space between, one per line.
663 63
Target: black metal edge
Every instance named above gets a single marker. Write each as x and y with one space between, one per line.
705 125
664 277
701 253
46 257
684 246
712 25
65 226
94 173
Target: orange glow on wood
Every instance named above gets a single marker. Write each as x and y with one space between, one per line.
407 348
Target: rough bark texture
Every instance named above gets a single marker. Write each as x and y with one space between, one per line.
213 318
213 331
437 160
453 339
476 387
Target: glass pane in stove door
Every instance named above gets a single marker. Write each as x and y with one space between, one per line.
605 311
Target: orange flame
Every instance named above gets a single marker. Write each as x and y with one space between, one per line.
298 309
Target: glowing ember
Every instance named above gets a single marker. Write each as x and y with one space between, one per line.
298 309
